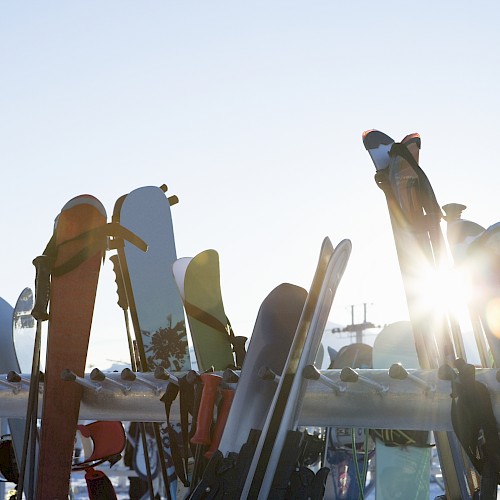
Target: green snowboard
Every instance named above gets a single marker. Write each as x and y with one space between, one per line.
198 280
401 472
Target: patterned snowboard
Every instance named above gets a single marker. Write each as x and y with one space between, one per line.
198 280
401 472
156 308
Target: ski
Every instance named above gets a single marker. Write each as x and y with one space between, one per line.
76 251
156 308
267 472
464 237
402 457
198 280
415 219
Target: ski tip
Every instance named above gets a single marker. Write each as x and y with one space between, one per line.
85 199
373 139
413 139
378 146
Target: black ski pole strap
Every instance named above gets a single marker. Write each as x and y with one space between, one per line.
168 398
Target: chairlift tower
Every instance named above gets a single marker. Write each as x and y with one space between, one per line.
357 328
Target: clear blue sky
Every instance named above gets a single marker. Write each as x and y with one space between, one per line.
252 113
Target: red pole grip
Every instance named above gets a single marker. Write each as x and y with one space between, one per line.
227 395
205 414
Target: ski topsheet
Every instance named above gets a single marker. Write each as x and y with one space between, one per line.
78 254
399 468
285 408
198 280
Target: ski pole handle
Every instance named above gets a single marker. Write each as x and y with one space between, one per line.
120 285
211 383
42 287
227 400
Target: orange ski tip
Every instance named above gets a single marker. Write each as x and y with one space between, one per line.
366 132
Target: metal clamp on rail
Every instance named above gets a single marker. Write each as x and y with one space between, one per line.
349 375
129 376
230 376
16 378
161 373
398 372
97 375
15 387
312 373
69 376
265 373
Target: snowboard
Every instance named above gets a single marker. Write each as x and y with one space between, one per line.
77 251
156 309
23 330
270 342
415 218
8 362
401 472
272 336
198 281
266 472
23 335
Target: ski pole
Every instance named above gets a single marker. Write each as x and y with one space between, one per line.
230 379
124 305
39 312
222 414
201 437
